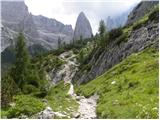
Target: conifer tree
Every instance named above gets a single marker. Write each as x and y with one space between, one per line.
102 31
20 70
102 28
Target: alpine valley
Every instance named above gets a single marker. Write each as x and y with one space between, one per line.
52 71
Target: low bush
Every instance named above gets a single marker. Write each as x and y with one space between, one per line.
8 89
122 38
140 23
114 33
28 88
25 105
154 15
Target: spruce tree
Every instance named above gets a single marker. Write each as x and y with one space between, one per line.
102 31
20 70
102 28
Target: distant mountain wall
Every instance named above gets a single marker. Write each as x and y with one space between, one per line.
37 29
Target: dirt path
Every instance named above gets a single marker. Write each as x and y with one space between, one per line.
87 106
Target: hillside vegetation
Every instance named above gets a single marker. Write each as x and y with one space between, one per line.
129 89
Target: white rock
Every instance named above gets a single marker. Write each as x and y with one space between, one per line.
113 82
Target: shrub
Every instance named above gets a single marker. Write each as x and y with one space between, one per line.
122 38
114 33
140 23
154 15
8 89
27 89
26 105
75 51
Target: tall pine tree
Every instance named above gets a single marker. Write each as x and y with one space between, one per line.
20 70
102 31
102 28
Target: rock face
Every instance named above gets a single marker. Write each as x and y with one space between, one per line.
37 29
67 70
45 114
140 10
82 28
50 30
139 39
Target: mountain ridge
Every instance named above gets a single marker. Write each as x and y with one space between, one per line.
20 19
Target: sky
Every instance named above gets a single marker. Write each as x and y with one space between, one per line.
66 11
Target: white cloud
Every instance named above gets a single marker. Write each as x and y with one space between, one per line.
66 11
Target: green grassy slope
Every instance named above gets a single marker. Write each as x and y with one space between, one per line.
60 101
128 90
23 105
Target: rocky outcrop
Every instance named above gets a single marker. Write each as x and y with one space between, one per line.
82 28
139 39
67 70
37 29
45 114
140 10
16 18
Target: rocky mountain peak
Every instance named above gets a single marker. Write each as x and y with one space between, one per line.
81 14
38 30
83 27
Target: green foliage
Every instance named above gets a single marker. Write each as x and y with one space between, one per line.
140 23
60 101
81 56
24 105
77 44
129 89
20 69
8 89
122 38
75 51
154 15
85 53
28 88
28 77
48 62
114 33
102 33
102 28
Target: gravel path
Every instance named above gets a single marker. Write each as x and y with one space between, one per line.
87 106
